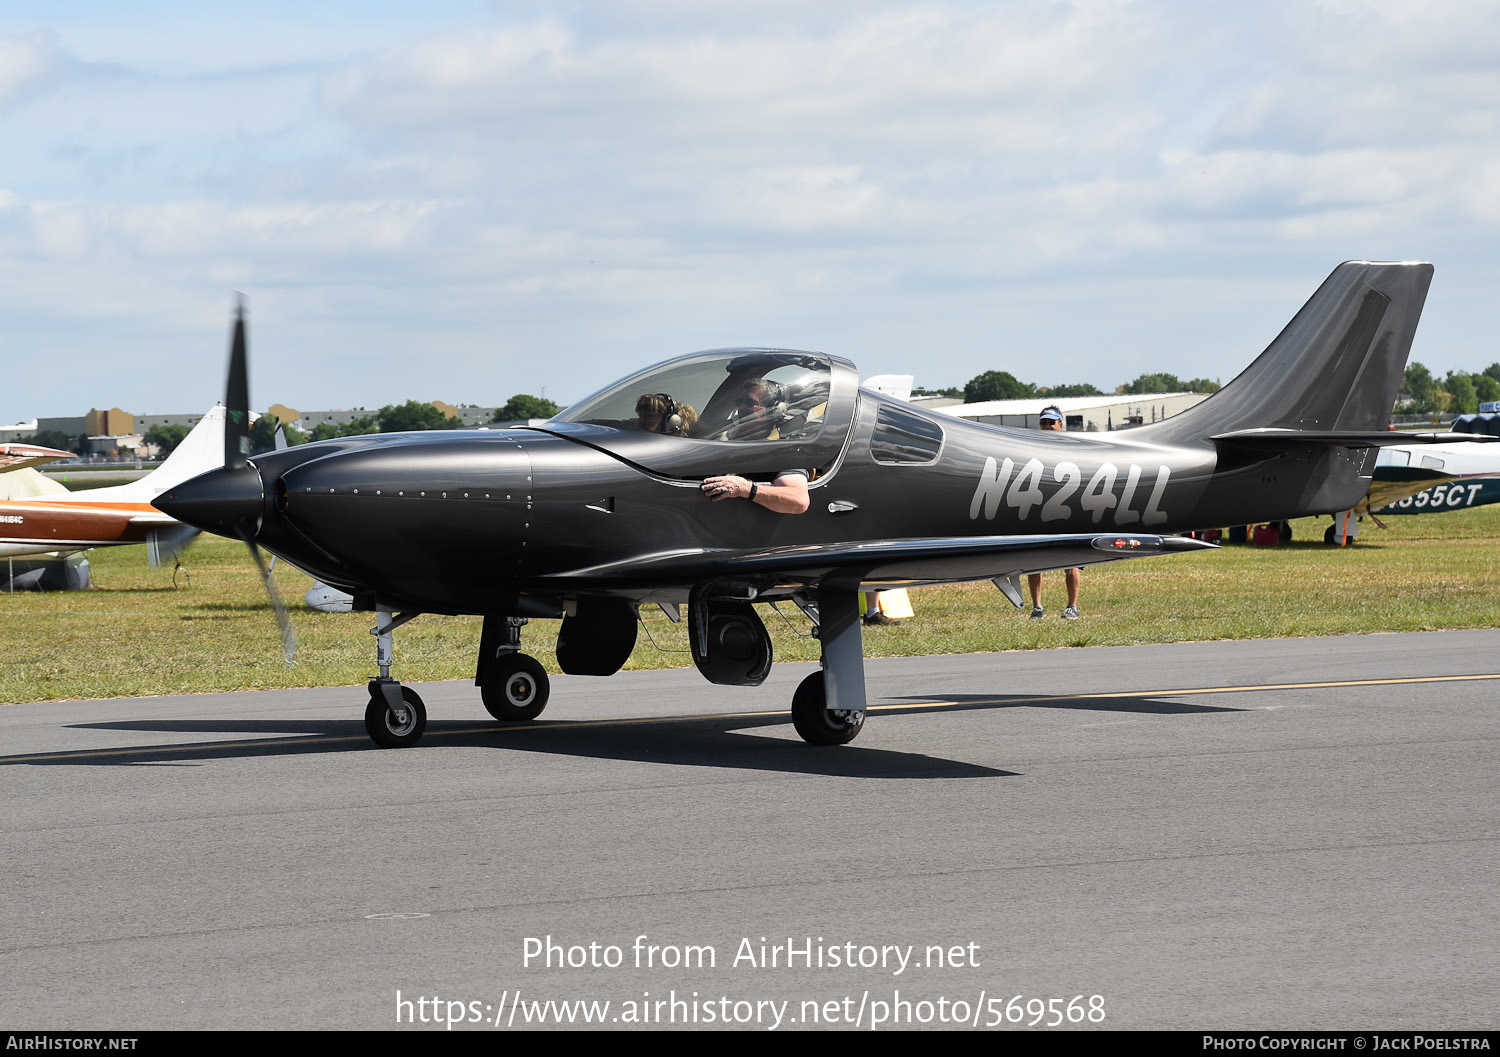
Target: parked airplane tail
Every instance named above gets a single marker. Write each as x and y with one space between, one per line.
200 451
1335 368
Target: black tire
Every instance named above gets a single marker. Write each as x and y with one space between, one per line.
1331 535
816 724
1284 529
515 688
392 731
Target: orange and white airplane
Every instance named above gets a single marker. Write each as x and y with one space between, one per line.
40 516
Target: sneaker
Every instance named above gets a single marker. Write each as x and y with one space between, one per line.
1036 612
875 619
1071 613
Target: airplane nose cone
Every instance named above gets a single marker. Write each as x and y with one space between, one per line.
216 501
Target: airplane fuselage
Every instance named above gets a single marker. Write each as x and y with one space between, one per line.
512 520
45 524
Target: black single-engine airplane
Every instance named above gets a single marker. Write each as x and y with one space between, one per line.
589 516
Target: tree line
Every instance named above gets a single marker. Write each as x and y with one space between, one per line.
396 418
1002 385
392 418
1458 393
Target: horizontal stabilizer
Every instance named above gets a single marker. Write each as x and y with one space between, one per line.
1284 438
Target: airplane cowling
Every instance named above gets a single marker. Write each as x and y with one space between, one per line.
441 524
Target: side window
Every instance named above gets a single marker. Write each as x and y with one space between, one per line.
901 437
1429 463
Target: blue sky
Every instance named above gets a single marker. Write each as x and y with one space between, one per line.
462 201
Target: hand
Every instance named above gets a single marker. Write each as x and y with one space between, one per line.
729 487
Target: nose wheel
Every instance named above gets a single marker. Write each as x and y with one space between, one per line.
395 716
394 726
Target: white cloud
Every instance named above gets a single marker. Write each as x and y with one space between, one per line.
27 64
540 189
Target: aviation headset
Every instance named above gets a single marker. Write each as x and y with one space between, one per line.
671 417
776 399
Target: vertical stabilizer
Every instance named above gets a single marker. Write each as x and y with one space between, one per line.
1337 366
200 451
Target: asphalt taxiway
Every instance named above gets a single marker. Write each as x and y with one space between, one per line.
1295 834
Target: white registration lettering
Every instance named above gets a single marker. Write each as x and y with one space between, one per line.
1024 493
1154 515
1056 508
992 482
1099 497
1126 516
1027 491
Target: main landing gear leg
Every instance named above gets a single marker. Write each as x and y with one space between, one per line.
829 707
395 716
514 686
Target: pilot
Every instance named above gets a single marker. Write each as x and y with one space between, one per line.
757 413
659 413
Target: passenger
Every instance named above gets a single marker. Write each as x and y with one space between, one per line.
758 412
659 413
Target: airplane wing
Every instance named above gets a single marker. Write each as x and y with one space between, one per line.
19 456
882 563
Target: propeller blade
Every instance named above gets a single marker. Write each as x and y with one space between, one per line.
283 621
167 544
237 396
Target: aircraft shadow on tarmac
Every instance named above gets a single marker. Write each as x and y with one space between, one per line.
694 741
1142 703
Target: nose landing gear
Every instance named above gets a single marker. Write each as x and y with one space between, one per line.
395 716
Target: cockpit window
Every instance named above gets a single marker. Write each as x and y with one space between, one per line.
750 396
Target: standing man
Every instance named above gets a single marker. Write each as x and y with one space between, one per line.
1051 419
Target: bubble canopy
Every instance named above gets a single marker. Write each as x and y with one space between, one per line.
751 400
720 396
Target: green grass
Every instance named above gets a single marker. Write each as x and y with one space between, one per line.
134 633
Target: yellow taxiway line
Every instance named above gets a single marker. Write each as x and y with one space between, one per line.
518 728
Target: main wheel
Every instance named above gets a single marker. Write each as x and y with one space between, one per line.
399 728
515 688
816 724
